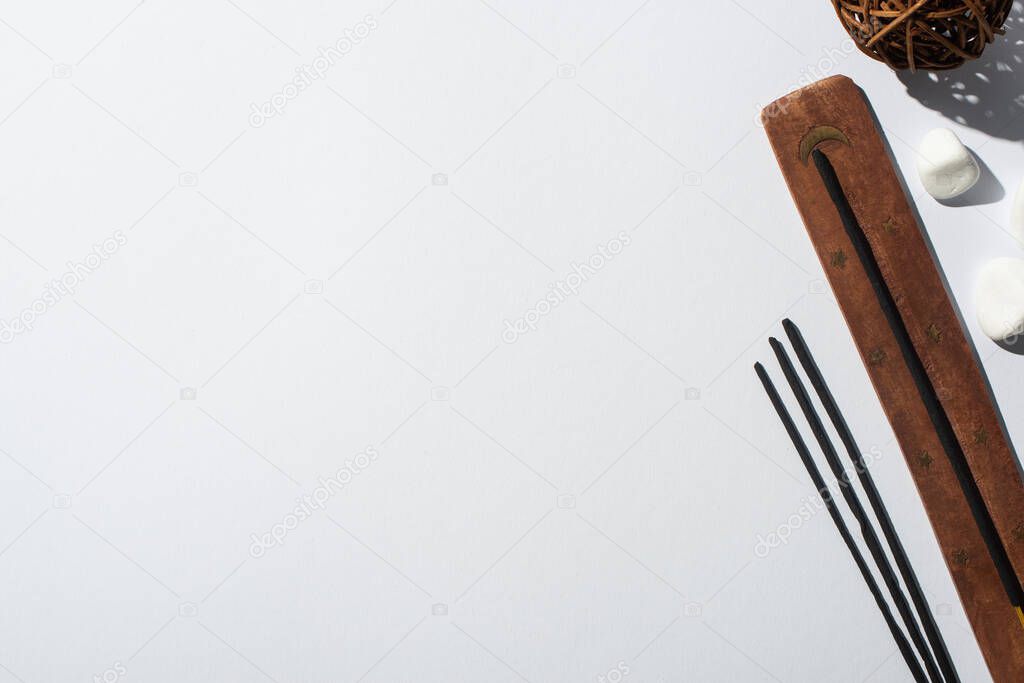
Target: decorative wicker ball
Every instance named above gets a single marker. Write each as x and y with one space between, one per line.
923 34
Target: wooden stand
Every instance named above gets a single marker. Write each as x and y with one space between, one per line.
833 116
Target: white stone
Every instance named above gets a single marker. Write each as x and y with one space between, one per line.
999 298
946 167
1017 215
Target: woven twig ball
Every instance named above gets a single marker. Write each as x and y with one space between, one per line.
923 34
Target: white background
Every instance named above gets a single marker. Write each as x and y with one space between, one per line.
586 498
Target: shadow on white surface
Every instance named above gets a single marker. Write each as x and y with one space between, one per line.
986 94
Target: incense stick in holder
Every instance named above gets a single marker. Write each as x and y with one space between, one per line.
832 117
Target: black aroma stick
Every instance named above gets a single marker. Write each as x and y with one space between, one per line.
803 353
940 421
844 532
867 530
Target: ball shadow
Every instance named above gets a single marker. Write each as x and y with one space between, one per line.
986 94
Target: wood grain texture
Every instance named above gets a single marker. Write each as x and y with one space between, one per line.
876 196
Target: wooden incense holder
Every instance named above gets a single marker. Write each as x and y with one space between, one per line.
833 117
